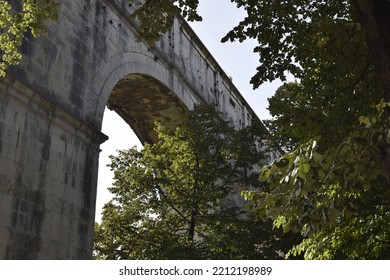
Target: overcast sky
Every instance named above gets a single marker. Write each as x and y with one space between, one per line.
238 61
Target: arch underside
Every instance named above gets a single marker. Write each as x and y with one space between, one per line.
141 101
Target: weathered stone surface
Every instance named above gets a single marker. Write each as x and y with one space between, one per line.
142 101
51 111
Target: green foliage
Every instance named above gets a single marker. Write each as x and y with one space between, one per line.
330 96
338 199
301 113
156 17
171 200
295 35
15 20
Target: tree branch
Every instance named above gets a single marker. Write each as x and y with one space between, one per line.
171 204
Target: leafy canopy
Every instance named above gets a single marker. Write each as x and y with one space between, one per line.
332 185
176 199
18 18
339 198
156 17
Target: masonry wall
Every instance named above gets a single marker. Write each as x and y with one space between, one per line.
48 164
51 111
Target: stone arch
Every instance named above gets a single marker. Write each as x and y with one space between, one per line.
142 91
141 101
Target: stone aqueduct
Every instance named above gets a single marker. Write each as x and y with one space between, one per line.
51 112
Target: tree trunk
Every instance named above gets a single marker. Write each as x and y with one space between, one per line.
191 232
374 17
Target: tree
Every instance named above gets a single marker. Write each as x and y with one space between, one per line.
156 17
18 18
171 199
375 20
333 184
337 198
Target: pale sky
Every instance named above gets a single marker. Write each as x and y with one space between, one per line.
238 61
